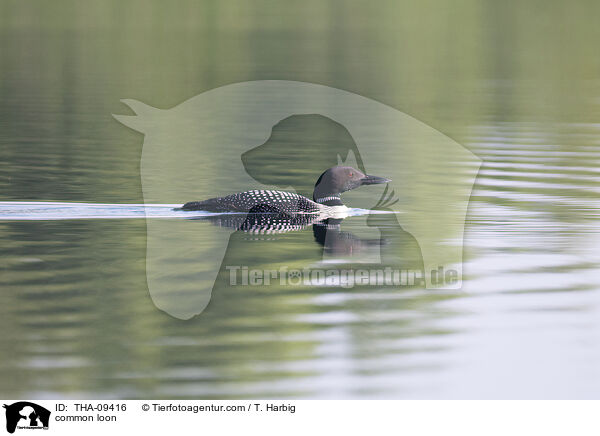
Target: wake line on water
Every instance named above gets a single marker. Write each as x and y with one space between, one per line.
46 211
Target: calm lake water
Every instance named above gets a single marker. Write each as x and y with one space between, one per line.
518 86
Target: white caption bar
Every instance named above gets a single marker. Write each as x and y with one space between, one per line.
276 417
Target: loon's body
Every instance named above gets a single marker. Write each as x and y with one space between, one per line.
258 201
326 196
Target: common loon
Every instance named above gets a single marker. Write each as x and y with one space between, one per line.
326 196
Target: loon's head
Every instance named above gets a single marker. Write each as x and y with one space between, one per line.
336 180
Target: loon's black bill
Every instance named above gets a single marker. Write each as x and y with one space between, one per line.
374 180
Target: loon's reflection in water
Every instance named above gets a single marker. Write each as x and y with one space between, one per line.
263 222
397 247
336 242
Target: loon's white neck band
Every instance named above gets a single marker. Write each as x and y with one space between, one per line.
324 199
